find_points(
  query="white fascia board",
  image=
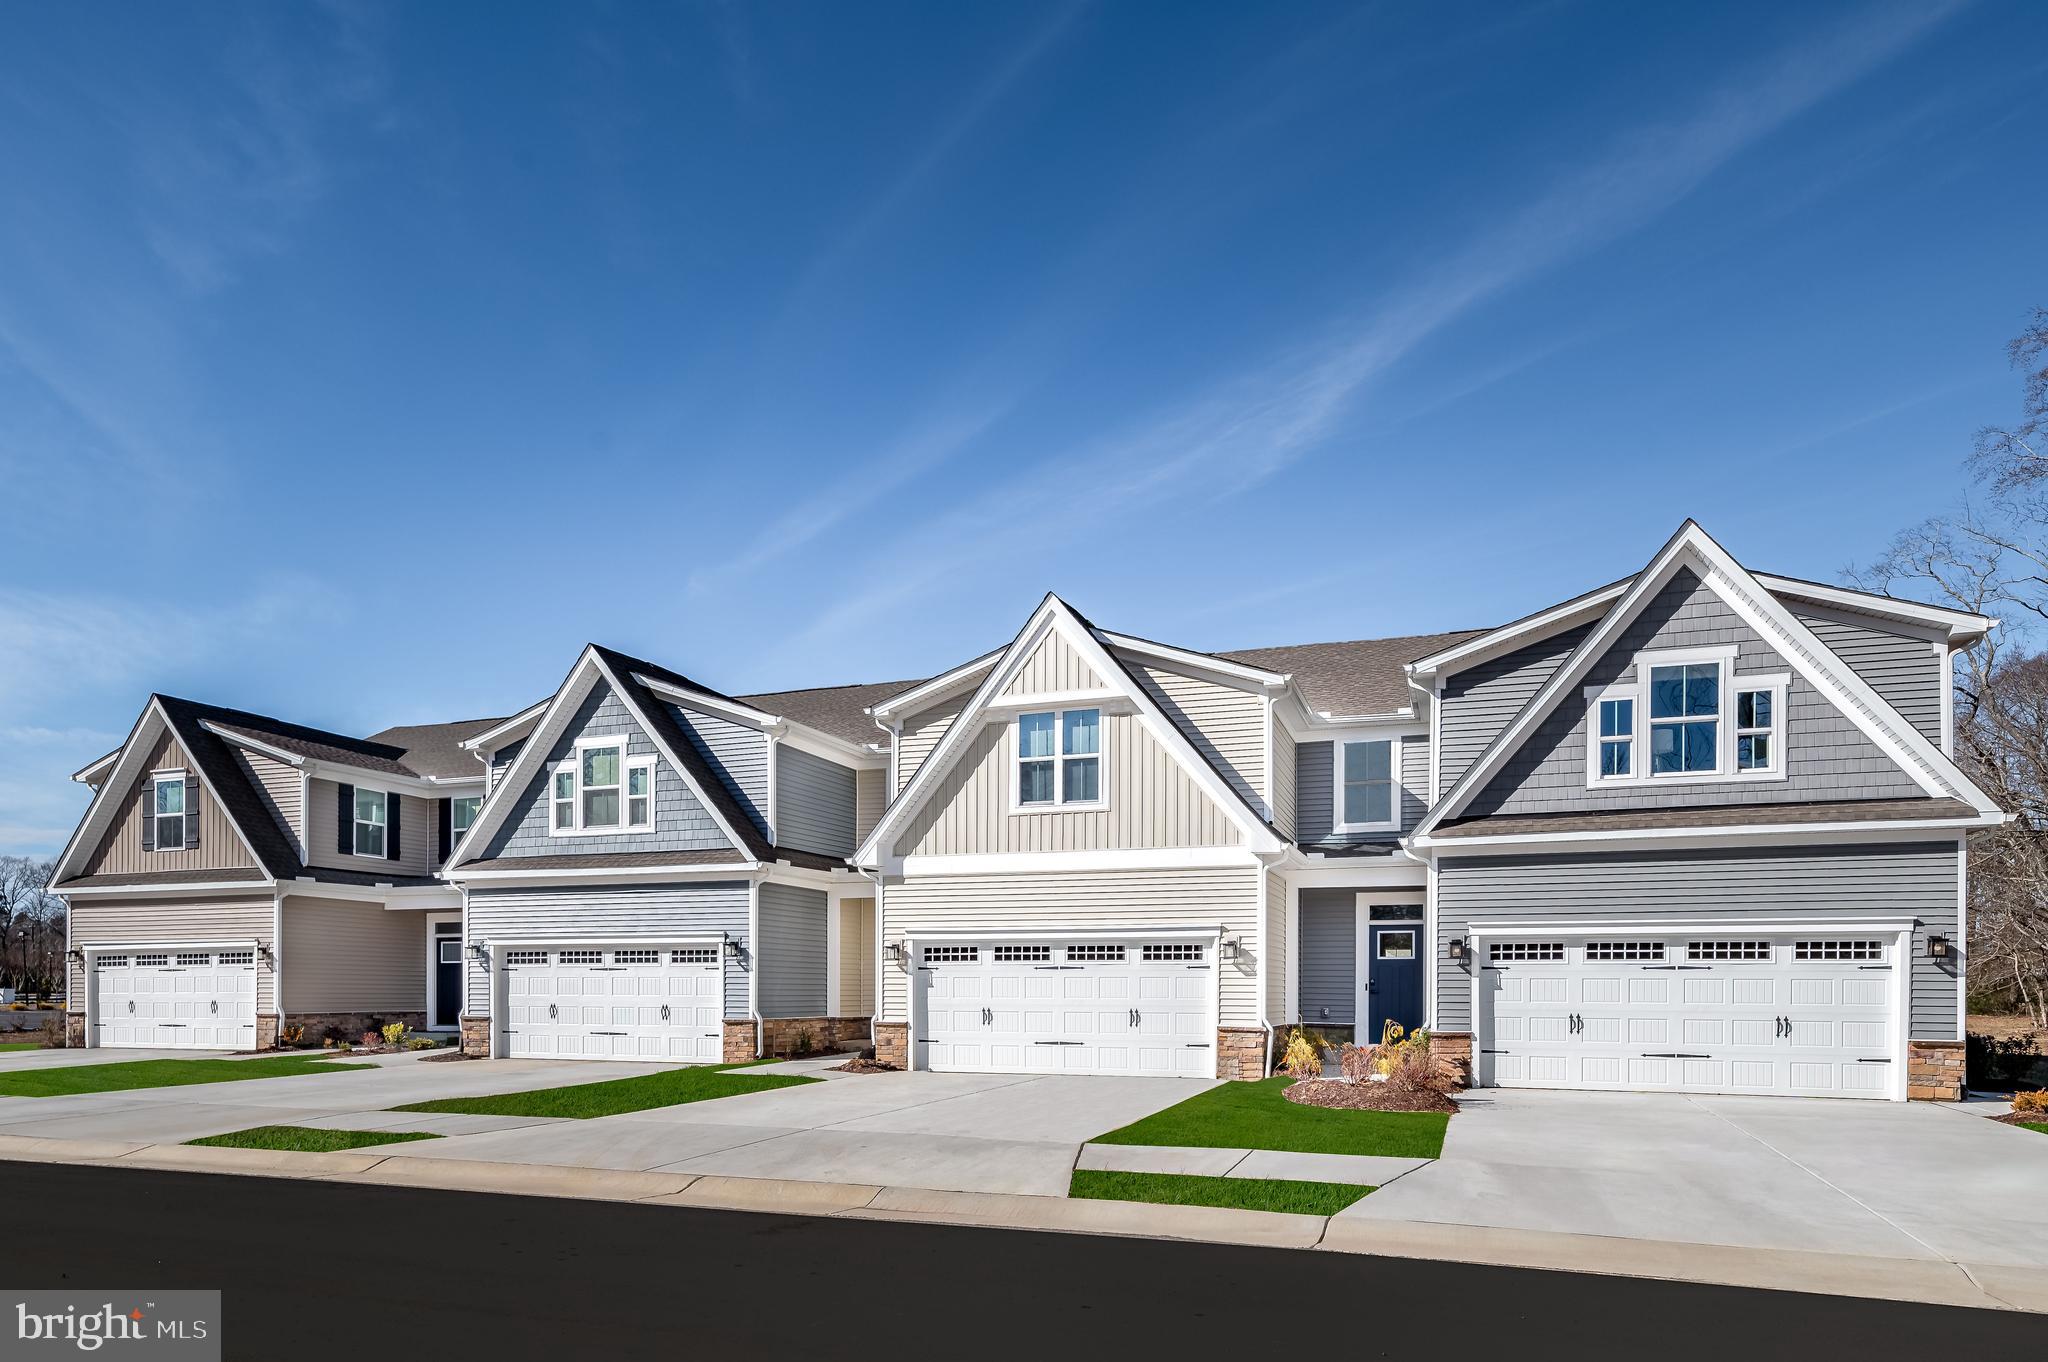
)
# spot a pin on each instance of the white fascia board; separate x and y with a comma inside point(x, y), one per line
point(576, 684)
point(735, 711)
point(263, 887)
point(1890, 830)
point(342, 773)
point(1010, 705)
point(481, 879)
point(940, 686)
point(802, 736)
point(192, 944)
point(1242, 674)
point(1958, 626)
point(1392, 876)
point(84, 774)
point(1568, 926)
point(1056, 862)
point(513, 943)
point(1511, 636)
point(497, 737)
point(126, 759)
point(240, 739)
point(1208, 930)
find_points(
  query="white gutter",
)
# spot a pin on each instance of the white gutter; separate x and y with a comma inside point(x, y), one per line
point(754, 961)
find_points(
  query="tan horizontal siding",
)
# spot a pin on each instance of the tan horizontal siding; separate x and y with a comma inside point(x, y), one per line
point(856, 957)
point(278, 786)
point(1227, 898)
point(419, 841)
point(1276, 946)
point(144, 922)
point(922, 732)
point(1152, 802)
point(345, 955)
point(870, 796)
point(120, 850)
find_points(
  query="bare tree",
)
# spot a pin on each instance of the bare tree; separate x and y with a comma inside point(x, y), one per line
point(1991, 556)
point(31, 925)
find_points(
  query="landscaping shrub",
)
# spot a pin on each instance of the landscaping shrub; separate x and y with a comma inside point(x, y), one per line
point(2030, 1103)
point(1303, 1057)
point(394, 1034)
point(294, 1034)
point(52, 1033)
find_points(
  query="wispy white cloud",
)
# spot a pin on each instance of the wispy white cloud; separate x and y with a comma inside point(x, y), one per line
point(1225, 442)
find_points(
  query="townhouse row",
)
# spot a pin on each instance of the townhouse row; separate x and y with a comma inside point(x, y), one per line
point(1697, 830)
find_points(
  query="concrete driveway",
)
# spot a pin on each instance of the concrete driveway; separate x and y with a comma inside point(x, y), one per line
point(67, 1058)
point(1882, 1179)
point(942, 1132)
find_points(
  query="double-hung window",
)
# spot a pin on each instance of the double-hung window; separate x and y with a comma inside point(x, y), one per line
point(1754, 715)
point(1617, 737)
point(1366, 797)
point(1059, 758)
point(371, 816)
point(599, 774)
point(1685, 718)
point(601, 789)
point(640, 793)
point(168, 809)
point(461, 813)
point(565, 799)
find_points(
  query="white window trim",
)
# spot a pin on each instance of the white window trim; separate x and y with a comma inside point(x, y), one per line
point(1725, 773)
point(455, 834)
point(156, 820)
point(1059, 803)
point(626, 795)
point(1337, 746)
point(574, 766)
point(356, 824)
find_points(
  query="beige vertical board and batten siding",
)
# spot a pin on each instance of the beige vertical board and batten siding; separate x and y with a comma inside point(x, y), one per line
point(1227, 726)
point(419, 833)
point(1152, 802)
point(856, 957)
point(1057, 902)
point(120, 850)
point(279, 787)
point(144, 921)
point(1274, 948)
point(345, 955)
point(922, 732)
point(870, 797)
point(1052, 668)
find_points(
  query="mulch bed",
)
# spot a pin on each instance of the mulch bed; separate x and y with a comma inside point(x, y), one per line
point(448, 1057)
point(2023, 1118)
point(1329, 1092)
point(864, 1066)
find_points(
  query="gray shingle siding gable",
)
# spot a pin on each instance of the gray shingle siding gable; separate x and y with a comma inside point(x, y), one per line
point(681, 822)
point(1477, 703)
point(1315, 784)
point(1836, 885)
point(1327, 973)
point(1907, 672)
point(738, 753)
point(792, 951)
point(817, 801)
point(607, 913)
point(1827, 757)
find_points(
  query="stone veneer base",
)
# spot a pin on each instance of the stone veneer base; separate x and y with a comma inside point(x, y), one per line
point(1935, 1070)
point(476, 1036)
point(1455, 1046)
point(1241, 1054)
point(892, 1043)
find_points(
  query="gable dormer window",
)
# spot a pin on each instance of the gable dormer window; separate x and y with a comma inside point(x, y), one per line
point(168, 803)
point(601, 789)
point(1059, 759)
point(1686, 718)
point(600, 780)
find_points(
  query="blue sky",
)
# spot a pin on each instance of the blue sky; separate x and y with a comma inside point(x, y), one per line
point(359, 363)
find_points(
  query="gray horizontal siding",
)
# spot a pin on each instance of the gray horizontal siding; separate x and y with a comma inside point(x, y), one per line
point(501, 762)
point(738, 753)
point(792, 951)
point(1827, 757)
point(1844, 884)
point(1327, 976)
point(1907, 672)
point(595, 913)
point(1478, 702)
point(1315, 783)
point(681, 823)
point(815, 801)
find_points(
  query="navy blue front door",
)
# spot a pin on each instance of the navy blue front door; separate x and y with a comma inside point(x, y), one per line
point(447, 980)
point(1395, 989)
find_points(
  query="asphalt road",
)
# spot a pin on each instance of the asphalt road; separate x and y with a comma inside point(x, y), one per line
point(330, 1270)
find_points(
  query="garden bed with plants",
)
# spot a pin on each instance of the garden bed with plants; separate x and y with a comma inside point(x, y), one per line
point(397, 1038)
point(1398, 1074)
point(2029, 1112)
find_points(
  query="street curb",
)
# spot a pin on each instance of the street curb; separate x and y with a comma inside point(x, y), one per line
point(1930, 1282)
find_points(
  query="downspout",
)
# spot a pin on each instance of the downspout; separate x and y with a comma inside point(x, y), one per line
point(875, 978)
point(754, 960)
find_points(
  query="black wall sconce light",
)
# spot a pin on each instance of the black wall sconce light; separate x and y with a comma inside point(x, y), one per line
point(1457, 949)
point(730, 949)
point(1937, 947)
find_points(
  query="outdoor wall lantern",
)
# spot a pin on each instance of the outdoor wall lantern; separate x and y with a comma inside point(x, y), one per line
point(899, 954)
point(1457, 948)
point(269, 956)
point(76, 955)
point(730, 950)
point(1227, 949)
point(1937, 946)
point(479, 952)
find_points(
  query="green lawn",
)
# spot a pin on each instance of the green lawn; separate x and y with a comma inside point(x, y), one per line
point(2041, 1126)
point(310, 1139)
point(158, 1073)
point(7, 1045)
point(1246, 1194)
point(670, 1088)
point(1256, 1116)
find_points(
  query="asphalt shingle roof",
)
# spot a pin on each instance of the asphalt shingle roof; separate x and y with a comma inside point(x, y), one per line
point(1363, 676)
point(435, 749)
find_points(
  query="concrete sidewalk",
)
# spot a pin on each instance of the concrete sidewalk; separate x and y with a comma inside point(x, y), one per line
point(1359, 1170)
point(1982, 1286)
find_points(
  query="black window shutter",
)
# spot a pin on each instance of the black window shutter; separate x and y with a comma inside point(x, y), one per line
point(447, 829)
point(149, 815)
point(393, 802)
point(345, 819)
point(191, 813)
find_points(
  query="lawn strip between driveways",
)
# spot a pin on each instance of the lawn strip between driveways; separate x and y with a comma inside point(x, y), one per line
point(613, 1097)
point(310, 1139)
point(2040, 1126)
point(8, 1047)
point(1257, 1116)
point(1244, 1194)
point(158, 1073)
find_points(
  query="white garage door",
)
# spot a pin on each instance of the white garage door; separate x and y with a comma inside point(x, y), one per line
point(1796, 1015)
point(587, 1002)
point(202, 1000)
point(1145, 1008)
